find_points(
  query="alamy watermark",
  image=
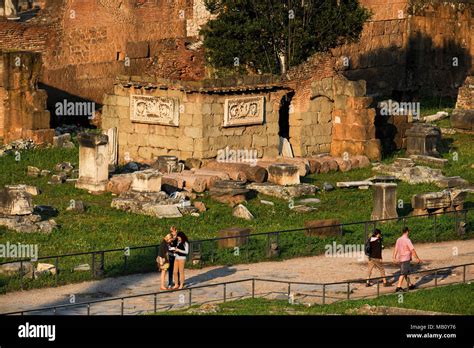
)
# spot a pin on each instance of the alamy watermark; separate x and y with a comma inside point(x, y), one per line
point(18, 250)
point(237, 156)
point(356, 251)
point(394, 108)
point(68, 108)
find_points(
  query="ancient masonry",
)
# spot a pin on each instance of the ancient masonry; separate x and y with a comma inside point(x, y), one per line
point(23, 113)
point(199, 119)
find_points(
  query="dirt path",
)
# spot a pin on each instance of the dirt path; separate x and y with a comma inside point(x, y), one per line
point(317, 269)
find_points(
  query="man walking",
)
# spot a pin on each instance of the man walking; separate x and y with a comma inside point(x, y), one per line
point(374, 253)
point(402, 253)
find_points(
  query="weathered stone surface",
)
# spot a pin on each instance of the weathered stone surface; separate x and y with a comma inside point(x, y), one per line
point(229, 192)
point(283, 174)
point(234, 237)
point(344, 165)
point(328, 186)
point(430, 160)
point(240, 211)
point(352, 184)
point(323, 228)
point(146, 181)
point(45, 269)
point(404, 169)
point(168, 164)
point(66, 167)
point(16, 267)
point(250, 172)
point(385, 201)
point(463, 119)
point(93, 162)
point(61, 140)
point(33, 171)
point(283, 192)
point(76, 206)
point(440, 115)
point(27, 223)
point(200, 206)
point(119, 183)
point(301, 208)
point(192, 163)
point(15, 200)
point(423, 139)
point(58, 179)
point(157, 204)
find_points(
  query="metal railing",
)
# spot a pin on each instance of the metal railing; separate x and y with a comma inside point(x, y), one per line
point(97, 258)
point(252, 293)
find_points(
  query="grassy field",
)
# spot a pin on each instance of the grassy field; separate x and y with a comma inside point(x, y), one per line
point(102, 227)
point(453, 299)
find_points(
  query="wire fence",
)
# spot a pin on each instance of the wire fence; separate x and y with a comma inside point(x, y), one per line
point(325, 293)
point(248, 248)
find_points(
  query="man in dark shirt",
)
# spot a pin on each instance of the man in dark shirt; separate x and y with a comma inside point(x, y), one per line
point(171, 255)
point(375, 257)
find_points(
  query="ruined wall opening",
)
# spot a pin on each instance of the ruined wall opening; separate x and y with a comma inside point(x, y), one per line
point(284, 115)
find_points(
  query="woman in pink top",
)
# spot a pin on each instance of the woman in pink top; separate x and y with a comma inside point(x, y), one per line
point(402, 253)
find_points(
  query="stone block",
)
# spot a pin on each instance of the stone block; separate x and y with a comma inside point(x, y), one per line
point(283, 174)
point(233, 237)
point(146, 181)
point(323, 228)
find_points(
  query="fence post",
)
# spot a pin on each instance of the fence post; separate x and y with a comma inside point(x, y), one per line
point(464, 273)
point(378, 288)
point(253, 288)
point(436, 278)
point(348, 290)
point(324, 294)
point(154, 302)
point(93, 266)
point(225, 292)
point(21, 274)
point(434, 227)
point(88, 309)
point(56, 264)
point(122, 305)
point(102, 264)
point(289, 289)
point(190, 297)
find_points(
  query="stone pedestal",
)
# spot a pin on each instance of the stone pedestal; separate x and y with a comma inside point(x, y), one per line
point(147, 181)
point(385, 201)
point(240, 234)
point(168, 164)
point(423, 139)
point(283, 174)
point(93, 162)
point(15, 200)
point(323, 228)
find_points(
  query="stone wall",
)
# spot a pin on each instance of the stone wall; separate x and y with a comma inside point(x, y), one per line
point(409, 46)
point(23, 111)
point(198, 129)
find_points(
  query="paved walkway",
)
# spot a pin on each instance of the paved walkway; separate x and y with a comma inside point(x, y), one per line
point(317, 269)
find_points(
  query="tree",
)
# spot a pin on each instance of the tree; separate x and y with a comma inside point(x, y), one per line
point(269, 36)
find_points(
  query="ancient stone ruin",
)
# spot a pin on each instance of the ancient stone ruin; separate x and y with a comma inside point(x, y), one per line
point(18, 213)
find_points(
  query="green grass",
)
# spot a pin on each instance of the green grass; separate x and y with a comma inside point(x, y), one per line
point(453, 299)
point(102, 227)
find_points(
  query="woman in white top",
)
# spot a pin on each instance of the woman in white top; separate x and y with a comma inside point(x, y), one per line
point(181, 251)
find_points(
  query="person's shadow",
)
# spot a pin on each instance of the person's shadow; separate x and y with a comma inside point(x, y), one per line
point(210, 275)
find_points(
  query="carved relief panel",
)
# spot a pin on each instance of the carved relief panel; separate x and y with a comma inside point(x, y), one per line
point(154, 110)
point(244, 111)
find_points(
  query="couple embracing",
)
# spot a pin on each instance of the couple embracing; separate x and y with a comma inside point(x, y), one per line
point(171, 259)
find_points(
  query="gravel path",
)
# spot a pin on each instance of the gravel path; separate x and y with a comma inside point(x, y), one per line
point(317, 269)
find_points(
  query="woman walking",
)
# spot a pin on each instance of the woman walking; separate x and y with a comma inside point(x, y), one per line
point(181, 251)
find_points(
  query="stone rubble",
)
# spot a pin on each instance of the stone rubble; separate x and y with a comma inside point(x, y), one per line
point(405, 169)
